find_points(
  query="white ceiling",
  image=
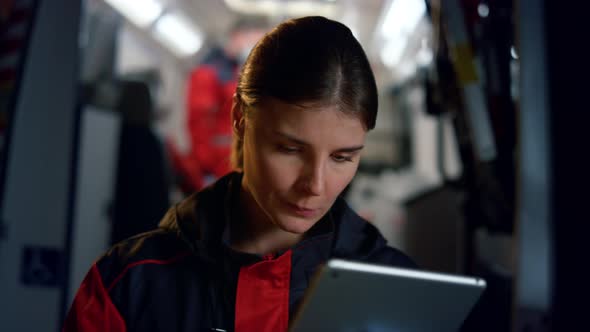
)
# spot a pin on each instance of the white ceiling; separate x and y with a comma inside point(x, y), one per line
point(214, 17)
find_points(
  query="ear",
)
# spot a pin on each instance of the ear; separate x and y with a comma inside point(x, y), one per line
point(237, 116)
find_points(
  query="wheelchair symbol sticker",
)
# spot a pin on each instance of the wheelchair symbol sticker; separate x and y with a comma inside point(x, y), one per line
point(41, 267)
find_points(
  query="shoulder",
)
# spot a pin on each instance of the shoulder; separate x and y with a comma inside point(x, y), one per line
point(114, 288)
point(158, 247)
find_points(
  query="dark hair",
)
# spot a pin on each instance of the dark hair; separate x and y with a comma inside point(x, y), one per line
point(309, 60)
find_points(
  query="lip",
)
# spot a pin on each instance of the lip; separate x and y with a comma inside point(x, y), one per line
point(302, 211)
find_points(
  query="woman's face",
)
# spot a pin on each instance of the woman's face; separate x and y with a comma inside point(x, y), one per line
point(297, 160)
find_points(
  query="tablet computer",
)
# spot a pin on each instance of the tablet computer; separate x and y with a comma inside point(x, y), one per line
point(350, 296)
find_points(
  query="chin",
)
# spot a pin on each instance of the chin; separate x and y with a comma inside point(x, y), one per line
point(295, 225)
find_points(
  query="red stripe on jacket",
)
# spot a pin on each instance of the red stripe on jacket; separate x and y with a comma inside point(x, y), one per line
point(92, 309)
point(262, 299)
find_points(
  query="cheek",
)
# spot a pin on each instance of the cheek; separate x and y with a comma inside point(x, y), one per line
point(274, 172)
point(281, 171)
point(338, 181)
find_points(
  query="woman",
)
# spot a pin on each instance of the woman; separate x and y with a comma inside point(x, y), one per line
point(239, 254)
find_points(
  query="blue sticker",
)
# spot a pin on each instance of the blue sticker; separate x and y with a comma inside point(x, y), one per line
point(41, 266)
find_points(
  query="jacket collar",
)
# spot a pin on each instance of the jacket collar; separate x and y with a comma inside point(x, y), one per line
point(202, 221)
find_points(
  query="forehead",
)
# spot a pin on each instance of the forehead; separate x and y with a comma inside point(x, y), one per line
point(309, 122)
point(276, 109)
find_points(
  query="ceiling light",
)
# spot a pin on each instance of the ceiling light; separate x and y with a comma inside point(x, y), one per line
point(402, 18)
point(400, 21)
point(178, 34)
point(142, 13)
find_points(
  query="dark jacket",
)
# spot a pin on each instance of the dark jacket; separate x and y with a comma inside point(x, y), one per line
point(184, 276)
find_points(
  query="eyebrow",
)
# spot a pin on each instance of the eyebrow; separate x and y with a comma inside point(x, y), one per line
point(301, 142)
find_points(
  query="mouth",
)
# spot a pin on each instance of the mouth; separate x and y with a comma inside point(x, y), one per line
point(302, 211)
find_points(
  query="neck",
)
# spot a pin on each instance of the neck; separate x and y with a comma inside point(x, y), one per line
point(255, 233)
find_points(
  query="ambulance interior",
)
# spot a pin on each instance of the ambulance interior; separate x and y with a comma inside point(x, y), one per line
point(104, 105)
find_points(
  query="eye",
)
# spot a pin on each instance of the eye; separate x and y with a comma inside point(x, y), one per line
point(341, 158)
point(288, 149)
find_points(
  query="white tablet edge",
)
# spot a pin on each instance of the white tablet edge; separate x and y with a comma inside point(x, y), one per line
point(387, 270)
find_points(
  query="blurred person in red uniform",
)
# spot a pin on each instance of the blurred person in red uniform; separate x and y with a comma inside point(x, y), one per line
point(210, 88)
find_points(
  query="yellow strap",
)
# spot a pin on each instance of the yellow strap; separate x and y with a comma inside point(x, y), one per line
point(464, 64)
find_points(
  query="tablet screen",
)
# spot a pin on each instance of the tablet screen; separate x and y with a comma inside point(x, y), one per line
point(351, 296)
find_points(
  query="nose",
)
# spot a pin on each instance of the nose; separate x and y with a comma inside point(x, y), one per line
point(313, 178)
